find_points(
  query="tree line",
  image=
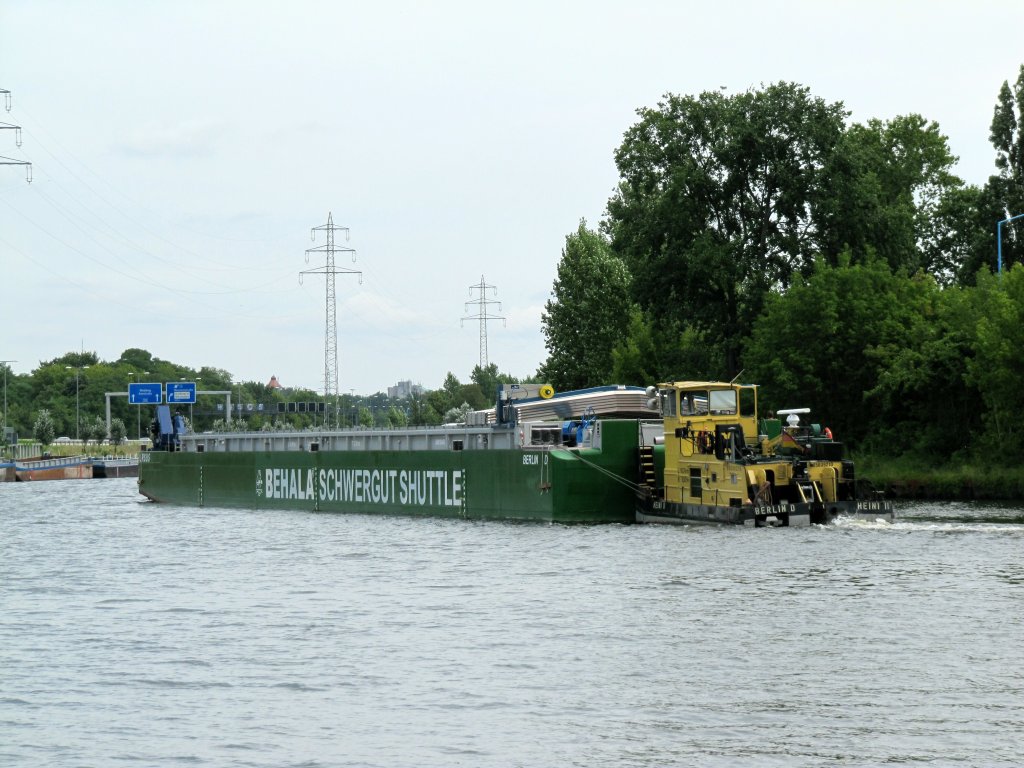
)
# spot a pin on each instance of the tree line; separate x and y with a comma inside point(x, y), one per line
point(843, 267)
point(66, 397)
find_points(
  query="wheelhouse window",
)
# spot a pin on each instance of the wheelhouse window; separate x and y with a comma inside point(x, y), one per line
point(668, 403)
point(723, 402)
point(748, 402)
point(693, 403)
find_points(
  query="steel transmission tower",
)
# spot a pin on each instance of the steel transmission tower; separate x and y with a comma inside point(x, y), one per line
point(17, 139)
point(482, 315)
point(329, 270)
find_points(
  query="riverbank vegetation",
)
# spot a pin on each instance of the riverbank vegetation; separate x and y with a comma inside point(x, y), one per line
point(64, 401)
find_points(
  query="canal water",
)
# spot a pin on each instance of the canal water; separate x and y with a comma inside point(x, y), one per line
point(136, 634)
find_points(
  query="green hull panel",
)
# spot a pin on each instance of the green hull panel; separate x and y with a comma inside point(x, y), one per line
point(556, 485)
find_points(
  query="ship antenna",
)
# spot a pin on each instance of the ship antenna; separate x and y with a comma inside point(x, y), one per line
point(737, 375)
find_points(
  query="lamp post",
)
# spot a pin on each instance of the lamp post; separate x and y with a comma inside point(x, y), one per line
point(999, 240)
point(191, 422)
point(138, 409)
point(238, 399)
point(6, 364)
point(78, 410)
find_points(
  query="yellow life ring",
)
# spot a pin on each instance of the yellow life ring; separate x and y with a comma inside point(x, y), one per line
point(547, 392)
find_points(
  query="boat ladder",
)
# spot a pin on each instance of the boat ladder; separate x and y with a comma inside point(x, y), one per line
point(647, 466)
point(809, 491)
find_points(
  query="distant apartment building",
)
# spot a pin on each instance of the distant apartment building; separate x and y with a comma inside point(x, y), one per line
point(404, 389)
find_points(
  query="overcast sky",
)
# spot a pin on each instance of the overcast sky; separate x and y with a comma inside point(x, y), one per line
point(182, 152)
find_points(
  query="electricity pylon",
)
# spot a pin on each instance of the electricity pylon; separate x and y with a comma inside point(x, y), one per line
point(482, 315)
point(329, 270)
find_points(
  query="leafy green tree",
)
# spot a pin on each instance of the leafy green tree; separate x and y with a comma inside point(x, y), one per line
point(587, 313)
point(96, 428)
point(420, 411)
point(923, 403)
point(136, 358)
point(887, 191)
point(813, 345)
point(451, 385)
point(657, 351)
point(473, 395)
point(997, 366)
point(365, 417)
point(634, 358)
point(488, 380)
point(713, 208)
point(396, 417)
point(1007, 187)
point(44, 429)
point(440, 400)
point(118, 433)
point(458, 414)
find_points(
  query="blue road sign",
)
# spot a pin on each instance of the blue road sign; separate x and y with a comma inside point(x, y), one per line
point(140, 393)
point(181, 392)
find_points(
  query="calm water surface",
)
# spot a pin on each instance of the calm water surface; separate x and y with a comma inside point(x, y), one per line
point(141, 634)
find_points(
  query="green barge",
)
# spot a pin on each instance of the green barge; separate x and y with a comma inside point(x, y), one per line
point(467, 473)
point(691, 452)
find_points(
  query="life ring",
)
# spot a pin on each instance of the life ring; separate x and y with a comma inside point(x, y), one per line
point(828, 433)
point(547, 392)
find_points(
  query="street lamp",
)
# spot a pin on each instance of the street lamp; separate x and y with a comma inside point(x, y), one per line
point(78, 410)
point(138, 409)
point(238, 399)
point(6, 364)
point(999, 240)
point(191, 423)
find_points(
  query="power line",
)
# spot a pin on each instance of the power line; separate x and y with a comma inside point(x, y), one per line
point(482, 315)
point(331, 333)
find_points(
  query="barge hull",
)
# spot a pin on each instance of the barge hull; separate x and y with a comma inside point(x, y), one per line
point(557, 485)
point(778, 515)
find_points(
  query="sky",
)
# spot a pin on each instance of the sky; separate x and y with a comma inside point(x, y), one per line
point(183, 151)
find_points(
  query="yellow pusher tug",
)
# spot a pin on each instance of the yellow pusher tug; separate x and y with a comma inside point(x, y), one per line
point(712, 461)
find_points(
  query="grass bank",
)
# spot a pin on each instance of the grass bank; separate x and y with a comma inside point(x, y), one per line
point(902, 477)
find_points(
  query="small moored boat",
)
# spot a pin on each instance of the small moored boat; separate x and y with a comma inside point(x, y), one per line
point(61, 468)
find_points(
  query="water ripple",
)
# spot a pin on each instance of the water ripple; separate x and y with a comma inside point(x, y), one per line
point(158, 635)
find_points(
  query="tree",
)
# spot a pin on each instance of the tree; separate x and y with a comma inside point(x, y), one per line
point(635, 357)
point(138, 358)
point(458, 414)
point(489, 379)
point(588, 312)
point(713, 208)
point(118, 433)
point(923, 403)
point(664, 350)
point(996, 367)
point(1007, 188)
point(96, 428)
point(44, 429)
point(890, 189)
point(396, 417)
point(813, 346)
point(365, 417)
